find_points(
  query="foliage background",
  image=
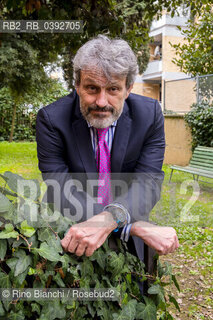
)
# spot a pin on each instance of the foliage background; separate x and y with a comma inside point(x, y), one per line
point(32, 257)
point(192, 262)
point(26, 111)
point(200, 121)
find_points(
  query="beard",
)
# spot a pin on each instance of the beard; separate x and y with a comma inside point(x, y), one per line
point(100, 120)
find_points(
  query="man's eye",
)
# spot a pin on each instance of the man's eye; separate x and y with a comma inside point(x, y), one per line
point(113, 89)
point(91, 88)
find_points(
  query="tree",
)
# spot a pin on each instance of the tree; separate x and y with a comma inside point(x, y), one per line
point(21, 72)
point(26, 112)
point(195, 56)
point(26, 55)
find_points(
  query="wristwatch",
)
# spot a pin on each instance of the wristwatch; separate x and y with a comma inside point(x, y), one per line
point(118, 213)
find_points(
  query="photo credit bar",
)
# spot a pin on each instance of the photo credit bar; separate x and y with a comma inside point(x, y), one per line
point(13, 294)
point(41, 26)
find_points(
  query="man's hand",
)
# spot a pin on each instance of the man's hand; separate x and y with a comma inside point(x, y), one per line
point(87, 236)
point(163, 239)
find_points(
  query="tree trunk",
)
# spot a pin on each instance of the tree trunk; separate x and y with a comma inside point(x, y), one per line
point(13, 122)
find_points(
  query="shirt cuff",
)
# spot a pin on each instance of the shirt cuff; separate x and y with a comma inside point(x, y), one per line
point(125, 234)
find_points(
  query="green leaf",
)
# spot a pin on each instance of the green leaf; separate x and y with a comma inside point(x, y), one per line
point(2, 312)
point(23, 262)
point(140, 310)
point(49, 216)
point(9, 232)
point(4, 280)
point(18, 281)
point(149, 312)
point(25, 188)
point(58, 280)
point(85, 282)
point(32, 271)
point(35, 307)
point(154, 289)
point(3, 248)
point(48, 252)
point(16, 316)
point(174, 301)
point(91, 309)
point(74, 272)
point(47, 235)
point(27, 230)
point(115, 263)
point(12, 180)
point(9, 227)
point(128, 312)
point(7, 192)
point(175, 282)
point(21, 241)
point(5, 204)
point(65, 261)
point(12, 263)
point(103, 312)
point(80, 313)
point(3, 177)
point(129, 278)
point(86, 268)
point(99, 256)
point(53, 310)
point(158, 290)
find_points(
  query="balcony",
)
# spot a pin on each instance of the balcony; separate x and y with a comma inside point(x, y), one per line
point(153, 70)
point(168, 20)
point(167, 25)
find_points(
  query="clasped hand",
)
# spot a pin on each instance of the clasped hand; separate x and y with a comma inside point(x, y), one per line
point(87, 236)
point(163, 239)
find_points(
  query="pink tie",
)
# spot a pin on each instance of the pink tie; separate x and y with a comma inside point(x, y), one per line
point(104, 168)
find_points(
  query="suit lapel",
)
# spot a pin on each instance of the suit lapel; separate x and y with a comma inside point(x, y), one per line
point(83, 141)
point(121, 139)
point(120, 142)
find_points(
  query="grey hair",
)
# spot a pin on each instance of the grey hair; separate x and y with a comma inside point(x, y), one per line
point(113, 57)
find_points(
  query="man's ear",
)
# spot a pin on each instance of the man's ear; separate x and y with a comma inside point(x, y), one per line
point(128, 91)
point(77, 90)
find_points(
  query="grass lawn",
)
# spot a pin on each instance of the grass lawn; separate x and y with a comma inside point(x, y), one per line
point(184, 205)
point(192, 262)
point(20, 158)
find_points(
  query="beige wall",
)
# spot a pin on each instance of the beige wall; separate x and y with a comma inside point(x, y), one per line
point(168, 53)
point(146, 89)
point(178, 141)
point(179, 95)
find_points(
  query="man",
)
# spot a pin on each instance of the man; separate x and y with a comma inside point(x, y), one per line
point(102, 128)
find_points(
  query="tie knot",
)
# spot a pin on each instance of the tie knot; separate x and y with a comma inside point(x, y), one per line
point(102, 134)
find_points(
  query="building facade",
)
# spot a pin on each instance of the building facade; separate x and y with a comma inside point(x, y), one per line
point(162, 79)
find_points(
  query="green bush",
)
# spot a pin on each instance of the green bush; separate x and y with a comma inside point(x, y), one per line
point(32, 257)
point(200, 120)
point(25, 117)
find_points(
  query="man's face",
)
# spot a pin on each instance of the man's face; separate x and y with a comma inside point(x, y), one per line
point(101, 100)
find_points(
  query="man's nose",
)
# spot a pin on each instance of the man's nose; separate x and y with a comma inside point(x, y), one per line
point(101, 99)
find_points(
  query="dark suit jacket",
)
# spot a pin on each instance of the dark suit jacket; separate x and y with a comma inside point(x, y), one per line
point(64, 146)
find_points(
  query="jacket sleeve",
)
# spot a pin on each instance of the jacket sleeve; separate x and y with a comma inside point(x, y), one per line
point(144, 184)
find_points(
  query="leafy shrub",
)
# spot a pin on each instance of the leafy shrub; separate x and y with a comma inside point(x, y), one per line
point(25, 112)
point(200, 120)
point(32, 257)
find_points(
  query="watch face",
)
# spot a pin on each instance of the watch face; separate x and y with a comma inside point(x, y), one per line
point(118, 214)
